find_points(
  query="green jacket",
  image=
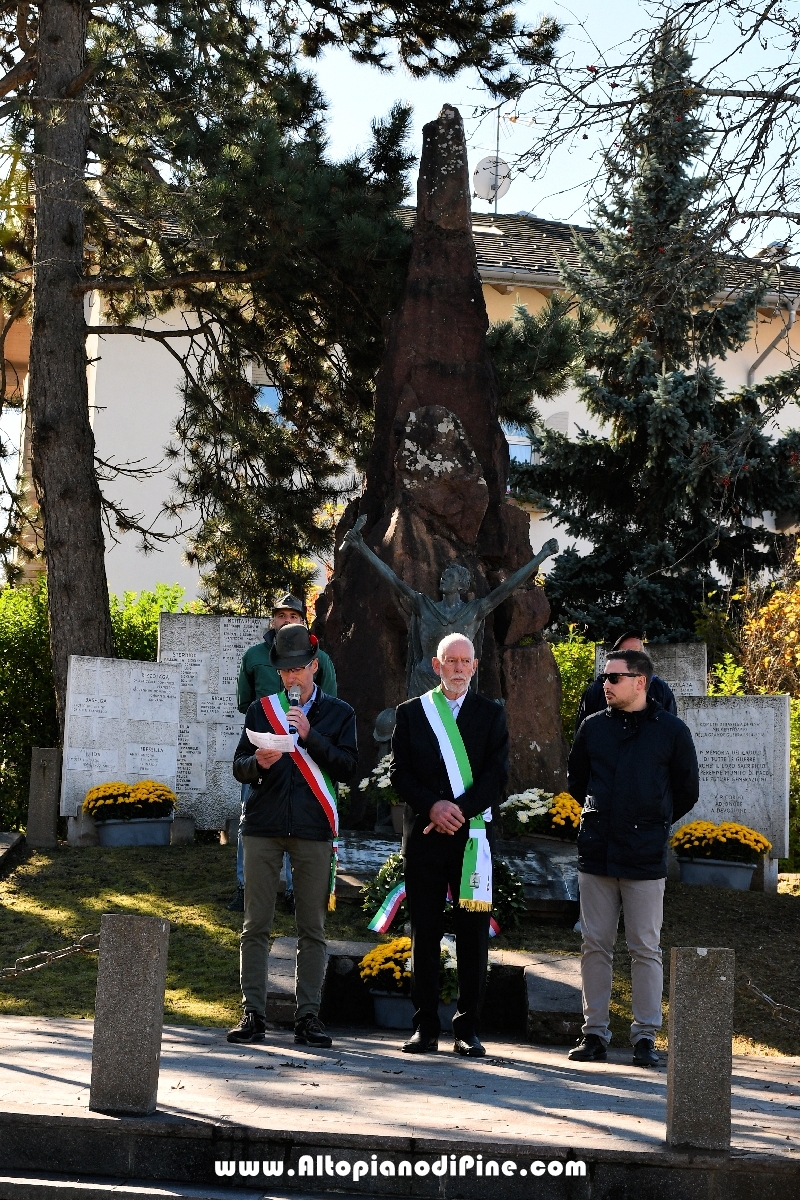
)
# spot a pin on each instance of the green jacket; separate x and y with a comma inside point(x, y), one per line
point(257, 676)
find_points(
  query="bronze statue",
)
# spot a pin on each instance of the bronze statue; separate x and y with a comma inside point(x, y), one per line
point(431, 620)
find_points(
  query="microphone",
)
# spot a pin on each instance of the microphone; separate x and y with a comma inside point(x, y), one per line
point(294, 699)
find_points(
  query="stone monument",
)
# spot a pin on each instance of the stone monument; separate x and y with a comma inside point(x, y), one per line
point(742, 747)
point(683, 665)
point(207, 650)
point(121, 723)
point(432, 620)
point(435, 493)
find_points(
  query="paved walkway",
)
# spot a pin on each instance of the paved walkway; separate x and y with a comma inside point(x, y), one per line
point(365, 1085)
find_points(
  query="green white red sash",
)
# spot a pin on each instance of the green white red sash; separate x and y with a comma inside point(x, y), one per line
point(275, 709)
point(476, 872)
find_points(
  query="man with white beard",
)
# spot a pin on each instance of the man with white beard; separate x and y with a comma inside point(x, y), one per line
point(450, 765)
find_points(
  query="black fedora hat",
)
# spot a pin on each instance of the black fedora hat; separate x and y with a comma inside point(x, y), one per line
point(294, 646)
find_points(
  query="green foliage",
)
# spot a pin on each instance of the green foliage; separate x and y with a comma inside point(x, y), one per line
point(377, 889)
point(134, 618)
point(27, 695)
point(575, 659)
point(508, 896)
point(534, 355)
point(727, 678)
point(210, 193)
point(673, 488)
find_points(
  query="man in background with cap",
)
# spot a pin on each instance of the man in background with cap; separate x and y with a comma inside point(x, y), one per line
point(288, 810)
point(257, 678)
point(594, 699)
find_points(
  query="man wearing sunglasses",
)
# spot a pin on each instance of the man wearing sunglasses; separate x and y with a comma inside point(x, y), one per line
point(633, 767)
point(593, 699)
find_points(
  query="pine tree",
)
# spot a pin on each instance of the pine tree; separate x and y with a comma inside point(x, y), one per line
point(671, 493)
point(177, 160)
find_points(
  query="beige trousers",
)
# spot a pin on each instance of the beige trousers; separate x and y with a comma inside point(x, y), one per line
point(642, 904)
point(311, 873)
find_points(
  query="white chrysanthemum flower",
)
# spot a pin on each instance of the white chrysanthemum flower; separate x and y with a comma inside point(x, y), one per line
point(344, 790)
point(362, 787)
point(523, 817)
point(385, 782)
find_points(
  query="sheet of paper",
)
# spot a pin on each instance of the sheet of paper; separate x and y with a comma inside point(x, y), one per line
point(272, 741)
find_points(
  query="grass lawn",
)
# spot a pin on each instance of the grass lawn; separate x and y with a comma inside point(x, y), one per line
point(52, 897)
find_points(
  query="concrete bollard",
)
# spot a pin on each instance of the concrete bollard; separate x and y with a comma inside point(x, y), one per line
point(129, 1014)
point(41, 832)
point(700, 1054)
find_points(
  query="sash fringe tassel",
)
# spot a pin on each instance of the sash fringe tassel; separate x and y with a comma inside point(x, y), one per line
point(475, 905)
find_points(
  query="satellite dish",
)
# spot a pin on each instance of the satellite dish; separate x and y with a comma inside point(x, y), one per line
point(491, 179)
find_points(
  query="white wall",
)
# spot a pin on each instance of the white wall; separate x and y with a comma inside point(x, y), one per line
point(134, 399)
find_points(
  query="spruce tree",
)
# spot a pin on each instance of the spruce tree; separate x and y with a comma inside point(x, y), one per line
point(671, 493)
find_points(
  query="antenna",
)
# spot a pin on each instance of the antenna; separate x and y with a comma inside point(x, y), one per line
point(491, 179)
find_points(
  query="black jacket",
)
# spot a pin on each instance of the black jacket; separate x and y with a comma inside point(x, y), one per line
point(420, 777)
point(635, 774)
point(280, 803)
point(594, 699)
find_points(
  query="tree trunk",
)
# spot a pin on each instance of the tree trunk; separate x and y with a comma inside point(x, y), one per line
point(62, 439)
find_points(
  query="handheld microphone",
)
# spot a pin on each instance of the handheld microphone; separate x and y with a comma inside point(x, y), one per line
point(294, 699)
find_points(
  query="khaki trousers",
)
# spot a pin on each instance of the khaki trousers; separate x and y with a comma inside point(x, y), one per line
point(311, 872)
point(642, 903)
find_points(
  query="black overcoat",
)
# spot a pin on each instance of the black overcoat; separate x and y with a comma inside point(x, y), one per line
point(419, 775)
point(635, 773)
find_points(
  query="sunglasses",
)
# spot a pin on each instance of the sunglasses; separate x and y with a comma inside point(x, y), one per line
point(615, 676)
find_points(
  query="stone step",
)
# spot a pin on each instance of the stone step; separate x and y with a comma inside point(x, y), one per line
point(60, 1187)
point(553, 991)
point(533, 996)
point(8, 843)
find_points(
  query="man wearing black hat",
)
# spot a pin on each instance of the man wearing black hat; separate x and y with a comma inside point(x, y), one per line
point(291, 807)
point(257, 678)
point(594, 699)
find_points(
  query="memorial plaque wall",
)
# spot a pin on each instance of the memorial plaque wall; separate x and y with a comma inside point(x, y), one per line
point(742, 745)
point(208, 651)
point(121, 723)
point(680, 664)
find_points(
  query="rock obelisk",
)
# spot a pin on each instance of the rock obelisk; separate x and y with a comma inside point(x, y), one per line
point(435, 489)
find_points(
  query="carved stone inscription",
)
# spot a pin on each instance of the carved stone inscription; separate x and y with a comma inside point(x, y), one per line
point(121, 724)
point(742, 745)
point(208, 650)
point(680, 664)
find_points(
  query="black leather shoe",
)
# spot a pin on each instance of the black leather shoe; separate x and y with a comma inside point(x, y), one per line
point(418, 1043)
point(251, 1028)
point(590, 1048)
point(309, 1031)
point(469, 1047)
point(237, 903)
point(644, 1054)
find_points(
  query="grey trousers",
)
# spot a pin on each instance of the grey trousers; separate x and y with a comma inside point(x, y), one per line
point(642, 903)
point(311, 869)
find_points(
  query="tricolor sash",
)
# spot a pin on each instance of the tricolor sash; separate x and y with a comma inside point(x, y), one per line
point(275, 709)
point(388, 909)
point(476, 872)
